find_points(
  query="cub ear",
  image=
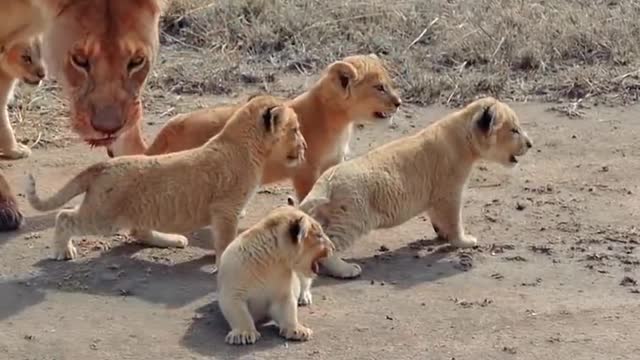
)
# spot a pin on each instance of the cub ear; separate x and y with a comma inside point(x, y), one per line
point(374, 56)
point(291, 201)
point(298, 230)
point(270, 119)
point(486, 121)
point(344, 73)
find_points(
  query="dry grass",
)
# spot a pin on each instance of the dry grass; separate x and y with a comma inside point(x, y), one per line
point(442, 50)
point(446, 51)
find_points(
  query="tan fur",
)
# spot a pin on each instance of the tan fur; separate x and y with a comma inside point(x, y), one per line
point(101, 52)
point(424, 172)
point(259, 274)
point(356, 88)
point(162, 196)
point(19, 60)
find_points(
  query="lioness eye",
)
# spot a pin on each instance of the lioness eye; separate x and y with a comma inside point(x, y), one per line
point(26, 58)
point(80, 61)
point(135, 63)
point(380, 87)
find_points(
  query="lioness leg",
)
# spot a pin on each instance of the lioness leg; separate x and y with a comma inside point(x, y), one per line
point(243, 329)
point(160, 239)
point(129, 142)
point(9, 147)
point(285, 313)
point(10, 215)
point(303, 182)
point(447, 214)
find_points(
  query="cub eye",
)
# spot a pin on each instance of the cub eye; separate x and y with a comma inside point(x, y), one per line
point(135, 63)
point(379, 87)
point(515, 131)
point(80, 61)
point(27, 59)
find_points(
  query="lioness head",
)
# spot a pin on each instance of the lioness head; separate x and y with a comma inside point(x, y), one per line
point(497, 133)
point(361, 85)
point(23, 60)
point(279, 125)
point(101, 52)
point(301, 239)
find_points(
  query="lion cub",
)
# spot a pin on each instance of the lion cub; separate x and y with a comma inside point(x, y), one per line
point(259, 274)
point(426, 171)
point(354, 89)
point(19, 60)
point(161, 196)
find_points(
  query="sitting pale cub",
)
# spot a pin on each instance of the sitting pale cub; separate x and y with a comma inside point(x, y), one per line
point(259, 274)
point(426, 171)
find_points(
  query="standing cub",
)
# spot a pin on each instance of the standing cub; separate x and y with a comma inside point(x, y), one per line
point(19, 61)
point(356, 88)
point(426, 171)
point(178, 192)
point(258, 274)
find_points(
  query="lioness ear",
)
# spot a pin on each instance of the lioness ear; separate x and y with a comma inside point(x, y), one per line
point(298, 230)
point(486, 120)
point(270, 119)
point(344, 72)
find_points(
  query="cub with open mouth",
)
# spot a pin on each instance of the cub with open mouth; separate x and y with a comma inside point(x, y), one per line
point(260, 272)
point(423, 172)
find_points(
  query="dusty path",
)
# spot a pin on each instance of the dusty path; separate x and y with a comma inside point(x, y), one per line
point(558, 237)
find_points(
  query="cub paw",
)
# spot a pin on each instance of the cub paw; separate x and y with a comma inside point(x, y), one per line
point(242, 337)
point(338, 268)
point(305, 298)
point(19, 152)
point(10, 217)
point(466, 241)
point(299, 333)
point(67, 252)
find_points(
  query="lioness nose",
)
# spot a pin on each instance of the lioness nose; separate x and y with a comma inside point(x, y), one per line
point(107, 119)
point(397, 102)
point(40, 73)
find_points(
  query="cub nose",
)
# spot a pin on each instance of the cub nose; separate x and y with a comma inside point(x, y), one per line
point(529, 144)
point(40, 73)
point(397, 102)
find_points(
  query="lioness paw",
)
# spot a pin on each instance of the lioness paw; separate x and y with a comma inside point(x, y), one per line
point(242, 337)
point(19, 152)
point(466, 241)
point(305, 298)
point(299, 333)
point(339, 268)
point(67, 252)
point(10, 217)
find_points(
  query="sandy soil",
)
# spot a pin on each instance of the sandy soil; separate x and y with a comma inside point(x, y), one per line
point(554, 276)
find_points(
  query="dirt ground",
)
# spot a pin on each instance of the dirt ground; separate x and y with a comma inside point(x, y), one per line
point(555, 275)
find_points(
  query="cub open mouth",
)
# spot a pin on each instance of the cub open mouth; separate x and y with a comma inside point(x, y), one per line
point(315, 267)
point(31, 82)
point(381, 115)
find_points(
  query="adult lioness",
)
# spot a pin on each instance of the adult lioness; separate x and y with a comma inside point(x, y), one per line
point(356, 88)
point(258, 278)
point(161, 196)
point(101, 52)
point(426, 171)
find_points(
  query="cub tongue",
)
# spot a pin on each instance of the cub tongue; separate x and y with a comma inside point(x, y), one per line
point(315, 267)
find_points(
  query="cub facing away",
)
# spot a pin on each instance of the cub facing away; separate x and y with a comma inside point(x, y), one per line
point(353, 89)
point(19, 61)
point(160, 197)
point(426, 171)
point(259, 274)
